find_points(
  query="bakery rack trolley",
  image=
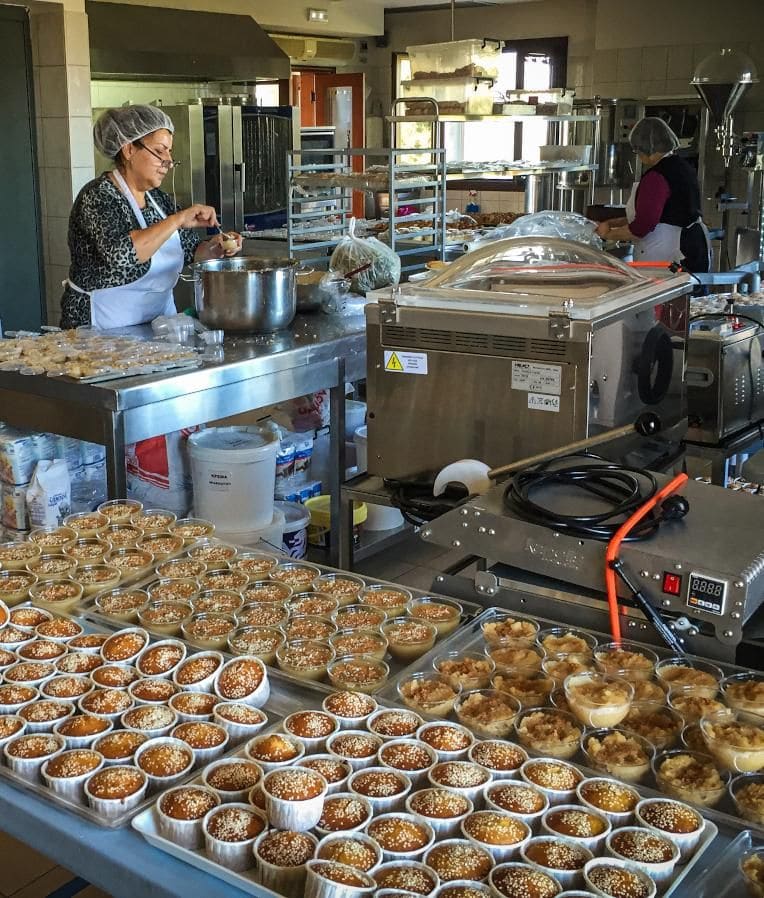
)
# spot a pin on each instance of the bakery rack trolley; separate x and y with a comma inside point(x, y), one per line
point(321, 197)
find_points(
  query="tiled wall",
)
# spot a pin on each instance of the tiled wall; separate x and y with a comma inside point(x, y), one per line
point(61, 65)
point(117, 93)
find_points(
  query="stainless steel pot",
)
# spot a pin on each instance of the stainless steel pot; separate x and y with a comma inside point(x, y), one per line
point(256, 296)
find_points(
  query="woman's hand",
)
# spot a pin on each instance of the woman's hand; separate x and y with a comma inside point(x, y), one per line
point(603, 229)
point(214, 247)
point(197, 216)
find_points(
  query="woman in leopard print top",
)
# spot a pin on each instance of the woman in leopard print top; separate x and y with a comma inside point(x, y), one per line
point(109, 247)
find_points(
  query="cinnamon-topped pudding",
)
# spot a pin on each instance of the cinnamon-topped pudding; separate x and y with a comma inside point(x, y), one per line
point(487, 712)
point(363, 672)
point(550, 732)
point(506, 628)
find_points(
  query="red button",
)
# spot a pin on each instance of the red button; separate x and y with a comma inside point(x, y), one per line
point(672, 584)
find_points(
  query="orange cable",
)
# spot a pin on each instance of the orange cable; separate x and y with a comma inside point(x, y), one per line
point(615, 544)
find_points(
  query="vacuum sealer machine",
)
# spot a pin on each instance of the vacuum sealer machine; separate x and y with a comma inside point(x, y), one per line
point(524, 345)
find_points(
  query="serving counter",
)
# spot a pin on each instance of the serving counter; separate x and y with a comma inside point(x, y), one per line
point(317, 352)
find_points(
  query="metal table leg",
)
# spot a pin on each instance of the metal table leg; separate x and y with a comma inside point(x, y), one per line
point(114, 441)
point(337, 462)
point(719, 468)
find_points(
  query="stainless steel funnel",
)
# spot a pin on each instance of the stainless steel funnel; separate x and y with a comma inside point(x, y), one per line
point(722, 80)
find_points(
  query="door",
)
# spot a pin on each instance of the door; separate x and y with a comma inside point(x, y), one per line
point(342, 97)
point(304, 87)
point(21, 281)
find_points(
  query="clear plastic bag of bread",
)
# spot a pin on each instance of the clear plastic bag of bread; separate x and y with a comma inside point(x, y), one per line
point(367, 262)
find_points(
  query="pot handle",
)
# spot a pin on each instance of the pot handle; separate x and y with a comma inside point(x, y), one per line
point(192, 279)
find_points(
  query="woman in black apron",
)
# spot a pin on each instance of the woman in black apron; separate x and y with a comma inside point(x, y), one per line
point(663, 215)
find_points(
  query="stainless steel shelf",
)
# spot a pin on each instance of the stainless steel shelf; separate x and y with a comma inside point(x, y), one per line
point(401, 119)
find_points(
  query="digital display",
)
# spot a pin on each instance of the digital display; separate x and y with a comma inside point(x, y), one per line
point(706, 594)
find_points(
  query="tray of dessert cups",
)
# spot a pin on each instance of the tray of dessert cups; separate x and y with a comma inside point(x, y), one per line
point(304, 619)
point(98, 721)
point(117, 545)
point(738, 871)
point(686, 727)
point(356, 793)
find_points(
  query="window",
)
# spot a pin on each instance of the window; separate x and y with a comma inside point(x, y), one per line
point(536, 64)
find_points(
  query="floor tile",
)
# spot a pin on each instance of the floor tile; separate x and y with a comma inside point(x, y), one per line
point(45, 884)
point(21, 865)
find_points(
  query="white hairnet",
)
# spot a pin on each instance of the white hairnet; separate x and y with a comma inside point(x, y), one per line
point(118, 127)
point(652, 135)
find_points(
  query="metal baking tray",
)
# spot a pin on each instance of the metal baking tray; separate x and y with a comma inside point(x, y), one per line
point(470, 611)
point(287, 695)
point(469, 638)
point(146, 824)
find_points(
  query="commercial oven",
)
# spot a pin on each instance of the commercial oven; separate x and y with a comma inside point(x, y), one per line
point(521, 347)
point(233, 156)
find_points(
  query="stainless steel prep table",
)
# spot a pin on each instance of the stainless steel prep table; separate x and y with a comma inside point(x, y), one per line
point(317, 352)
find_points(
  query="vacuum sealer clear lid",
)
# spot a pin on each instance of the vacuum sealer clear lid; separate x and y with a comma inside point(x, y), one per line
point(532, 276)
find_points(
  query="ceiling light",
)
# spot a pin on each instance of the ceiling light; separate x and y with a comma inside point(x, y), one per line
point(318, 15)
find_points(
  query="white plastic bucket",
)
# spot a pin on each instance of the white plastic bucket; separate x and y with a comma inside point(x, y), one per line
point(295, 535)
point(269, 538)
point(234, 474)
point(355, 415)
point(379, 517)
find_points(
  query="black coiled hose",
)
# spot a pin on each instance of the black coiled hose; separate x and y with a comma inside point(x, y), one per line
point(625, 488)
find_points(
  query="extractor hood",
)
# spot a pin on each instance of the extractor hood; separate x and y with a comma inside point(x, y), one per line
point(146, 42)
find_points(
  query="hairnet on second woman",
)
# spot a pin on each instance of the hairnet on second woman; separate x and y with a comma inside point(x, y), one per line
point(118, 127)
point(652, 135)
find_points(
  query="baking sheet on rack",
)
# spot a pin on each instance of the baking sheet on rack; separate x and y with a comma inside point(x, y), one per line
point(288, 694)
point(470, 610)
point(146, 823)
point(469, 638)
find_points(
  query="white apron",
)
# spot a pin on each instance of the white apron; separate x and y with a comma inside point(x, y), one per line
point(662, 244)
point(151, 295)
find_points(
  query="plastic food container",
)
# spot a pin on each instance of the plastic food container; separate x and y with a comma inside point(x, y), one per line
point(477, 58)
point(455, 96)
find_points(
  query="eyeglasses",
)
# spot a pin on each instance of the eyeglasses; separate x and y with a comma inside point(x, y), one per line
point(166, 162)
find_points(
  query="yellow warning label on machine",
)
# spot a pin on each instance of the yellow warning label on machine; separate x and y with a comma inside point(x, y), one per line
point(399, 362)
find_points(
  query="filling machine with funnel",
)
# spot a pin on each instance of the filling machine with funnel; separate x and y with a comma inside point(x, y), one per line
point(722, 80)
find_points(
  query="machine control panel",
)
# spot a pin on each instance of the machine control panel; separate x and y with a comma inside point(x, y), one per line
point(706, 593)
